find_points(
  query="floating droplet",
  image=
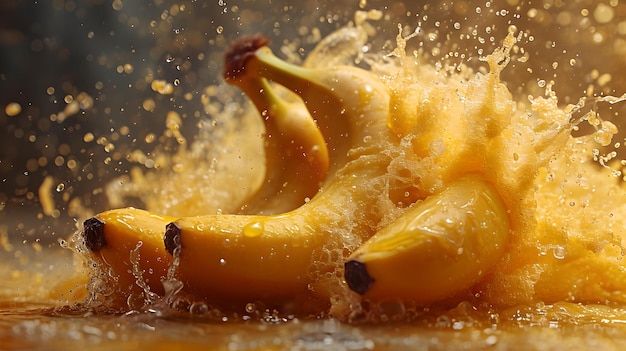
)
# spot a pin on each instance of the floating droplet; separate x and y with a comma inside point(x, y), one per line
point(13, 109)
point(250, 307)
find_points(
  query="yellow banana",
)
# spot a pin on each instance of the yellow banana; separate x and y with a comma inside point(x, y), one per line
point(113, 235)
point(449, 240)
point(250, 257)
point(440, 247)
point(296, 163)
point(239, 257)
point(295, 151)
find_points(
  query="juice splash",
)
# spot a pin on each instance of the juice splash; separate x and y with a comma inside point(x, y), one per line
point(447, 123)
point(572, 200)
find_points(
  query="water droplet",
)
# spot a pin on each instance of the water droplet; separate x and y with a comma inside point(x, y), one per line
point(250, 307)
point(199, 308)
point(491, 340)
point(222, 261)
point(253, 229)
point(60, 187)
point(559, 252)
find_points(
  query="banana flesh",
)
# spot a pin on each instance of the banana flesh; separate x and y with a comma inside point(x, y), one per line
point(444, 244)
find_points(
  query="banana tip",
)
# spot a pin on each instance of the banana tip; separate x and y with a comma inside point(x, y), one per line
point(357, 277)
point(93, 232)
point(171, 237)
point(238, 53)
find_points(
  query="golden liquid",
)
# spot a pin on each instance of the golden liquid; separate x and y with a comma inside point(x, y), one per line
point(562, 283)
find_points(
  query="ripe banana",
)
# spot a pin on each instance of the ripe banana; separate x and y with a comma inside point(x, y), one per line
point(448, 240)
point(254, 257)
point(112, 235)
point(296, 157)
point(271, 257)
point(440, 247)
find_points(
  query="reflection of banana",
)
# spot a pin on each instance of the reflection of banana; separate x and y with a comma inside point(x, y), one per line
point(438, 248)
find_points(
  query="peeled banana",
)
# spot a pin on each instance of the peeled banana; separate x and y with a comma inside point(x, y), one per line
point(320, 160)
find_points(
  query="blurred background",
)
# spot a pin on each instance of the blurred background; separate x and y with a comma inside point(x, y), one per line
point(83, 83)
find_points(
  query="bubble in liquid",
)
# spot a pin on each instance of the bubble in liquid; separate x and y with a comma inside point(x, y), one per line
point(559, 252)
point(250, 307)
point(491, 340)
point(199, 308)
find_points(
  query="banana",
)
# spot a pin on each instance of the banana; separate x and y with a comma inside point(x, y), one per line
point(250, 257)
point(283, 256)
point(296, 157)
point(296, 162)
point(112, 235)
point(439, 248)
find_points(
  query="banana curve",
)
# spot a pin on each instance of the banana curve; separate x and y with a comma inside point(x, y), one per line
point(296, 157)
point(249, 256)
point(440, 247)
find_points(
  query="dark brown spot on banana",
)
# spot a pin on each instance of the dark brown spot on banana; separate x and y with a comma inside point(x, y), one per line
point(171, 237)
point(93, 232)
point(357, 277)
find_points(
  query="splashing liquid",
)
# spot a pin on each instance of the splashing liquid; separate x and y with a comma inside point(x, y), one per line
point(444, 117)
point(564, 187)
